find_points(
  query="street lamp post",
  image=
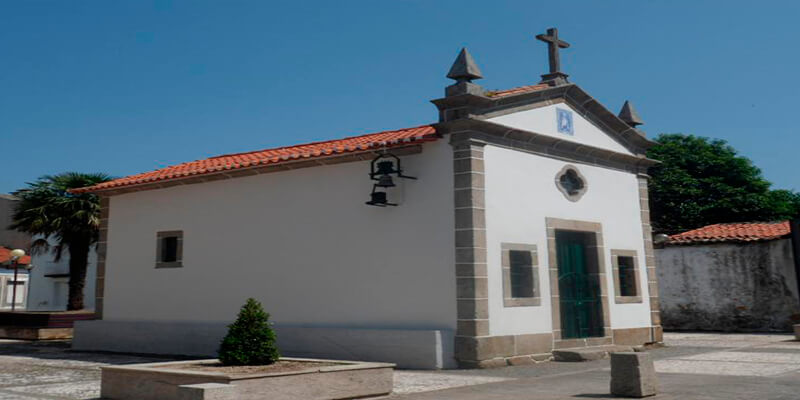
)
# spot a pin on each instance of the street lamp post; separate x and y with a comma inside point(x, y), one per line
point(15, 256)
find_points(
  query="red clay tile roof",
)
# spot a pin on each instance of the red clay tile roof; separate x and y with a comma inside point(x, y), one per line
point(5, 257)
point(517, 90)
point(739, 232)
point(302, 151)
point(355, 144)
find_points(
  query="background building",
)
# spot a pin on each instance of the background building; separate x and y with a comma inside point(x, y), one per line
point(730, 277)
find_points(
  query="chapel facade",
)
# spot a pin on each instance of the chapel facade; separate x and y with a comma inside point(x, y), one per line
point(515, 225)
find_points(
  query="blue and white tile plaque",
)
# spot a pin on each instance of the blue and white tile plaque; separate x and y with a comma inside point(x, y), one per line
point(564, 121)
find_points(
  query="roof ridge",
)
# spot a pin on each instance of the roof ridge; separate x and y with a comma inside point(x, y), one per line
point(315, 143)
point(734, 223)
point(750, 223)
point(520, 89)
point(733, 232)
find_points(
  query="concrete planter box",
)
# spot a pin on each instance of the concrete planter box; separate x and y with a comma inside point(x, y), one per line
point(157, 381)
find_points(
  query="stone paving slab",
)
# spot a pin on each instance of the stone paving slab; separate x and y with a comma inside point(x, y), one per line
point(723, 368)
point(14, 396)
point(697, 366)
point(421, 381)
point(749, 357)
point(711, 339)
point(76, 390)
point(783, 346)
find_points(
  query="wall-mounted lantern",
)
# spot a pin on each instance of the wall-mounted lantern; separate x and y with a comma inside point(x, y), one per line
point(381, 170)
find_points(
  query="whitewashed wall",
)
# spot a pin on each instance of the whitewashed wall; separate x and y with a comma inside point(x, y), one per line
point(543, 121)
point(728, 286)
point(302, 242)
point(50, 294)
point(520, 194)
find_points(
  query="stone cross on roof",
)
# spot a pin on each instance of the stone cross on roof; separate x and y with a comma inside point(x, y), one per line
point(553, 44)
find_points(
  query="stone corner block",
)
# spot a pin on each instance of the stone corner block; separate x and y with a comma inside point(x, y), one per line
point(207, 391)
point(484, 364)
point(521, 360)
point(633, 375)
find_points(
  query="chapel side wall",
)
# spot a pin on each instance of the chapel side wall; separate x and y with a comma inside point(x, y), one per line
point(728, 286)
point(301, 241)
point(520, 194)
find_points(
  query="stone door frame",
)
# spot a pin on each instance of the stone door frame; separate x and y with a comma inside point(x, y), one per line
point(597, 248)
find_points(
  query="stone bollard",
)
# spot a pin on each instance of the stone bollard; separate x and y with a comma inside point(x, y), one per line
point(797, 332)
point(632, 375)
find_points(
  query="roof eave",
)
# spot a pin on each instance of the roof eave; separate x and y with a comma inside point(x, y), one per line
point(401, 148)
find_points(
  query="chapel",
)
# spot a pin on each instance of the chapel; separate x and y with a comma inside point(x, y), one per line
point(514, 224)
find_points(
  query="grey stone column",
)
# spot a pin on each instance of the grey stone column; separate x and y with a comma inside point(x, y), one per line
point(470, 242)
point(102, 251)
point(656, 333)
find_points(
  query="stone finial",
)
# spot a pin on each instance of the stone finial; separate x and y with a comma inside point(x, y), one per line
point(629, 115)
point(464, 68)
point(463, 71)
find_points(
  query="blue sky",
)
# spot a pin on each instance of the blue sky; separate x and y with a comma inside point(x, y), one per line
point(129, 86)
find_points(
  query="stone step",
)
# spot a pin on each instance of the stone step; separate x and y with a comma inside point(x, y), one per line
point(578, 354)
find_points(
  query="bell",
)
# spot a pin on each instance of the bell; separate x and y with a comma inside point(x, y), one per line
point(377, 199)
point(386, 168)
point(385, 181)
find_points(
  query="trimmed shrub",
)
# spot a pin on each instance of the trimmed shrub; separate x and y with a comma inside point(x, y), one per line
point(250, 339)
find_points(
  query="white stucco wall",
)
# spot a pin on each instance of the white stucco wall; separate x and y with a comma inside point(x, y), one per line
point(543, 120)
point(49, 293)
point(302, 242)
point(520, 194)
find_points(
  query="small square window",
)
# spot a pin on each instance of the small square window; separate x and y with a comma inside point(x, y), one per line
point(520, 275)
point(627, 276)
point(169, 249)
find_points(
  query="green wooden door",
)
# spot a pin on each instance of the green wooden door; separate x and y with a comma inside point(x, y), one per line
point(579, 288)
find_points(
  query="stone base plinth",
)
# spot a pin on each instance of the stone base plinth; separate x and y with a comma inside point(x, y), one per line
point(413, 349)
point(34, 333)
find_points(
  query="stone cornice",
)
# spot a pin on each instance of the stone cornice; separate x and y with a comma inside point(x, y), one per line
point(479, 107)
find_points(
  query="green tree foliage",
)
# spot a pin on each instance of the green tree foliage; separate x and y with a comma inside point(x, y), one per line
point(47, 208)
point(250, 339)
point(704, 181)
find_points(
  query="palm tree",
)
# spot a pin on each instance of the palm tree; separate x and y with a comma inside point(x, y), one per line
point(47, 208)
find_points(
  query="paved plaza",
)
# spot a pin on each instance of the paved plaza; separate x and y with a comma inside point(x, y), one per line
point(692, 366)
